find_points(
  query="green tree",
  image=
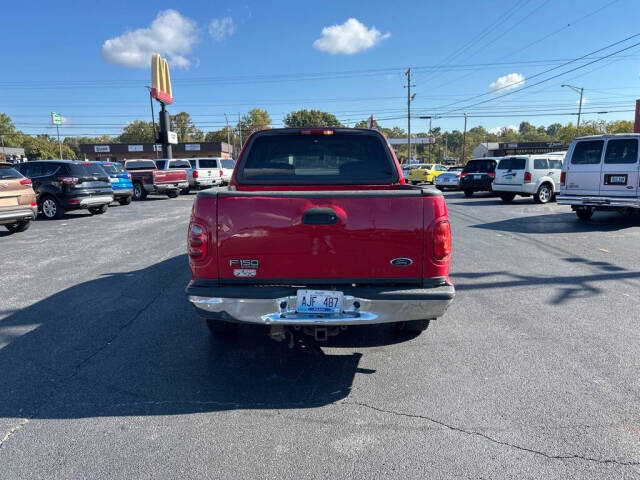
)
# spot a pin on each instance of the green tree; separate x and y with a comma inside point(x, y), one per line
point(311, 118)
point(255, 119)
point(184, 127)
point(220, 136)
point(11, 137)
point(621, 126)
point(137, 131)
point(44, 147)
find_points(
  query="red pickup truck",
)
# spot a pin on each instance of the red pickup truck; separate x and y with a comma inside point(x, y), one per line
point(147, 178)
point(318, 230)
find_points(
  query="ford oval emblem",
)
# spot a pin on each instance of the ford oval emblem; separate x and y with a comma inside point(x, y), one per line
point(401, 262)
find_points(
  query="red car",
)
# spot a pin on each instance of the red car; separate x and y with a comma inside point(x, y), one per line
point(317, 229)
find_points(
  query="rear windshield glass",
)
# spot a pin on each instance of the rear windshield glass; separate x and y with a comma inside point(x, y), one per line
point(140, 164)
point(540, 164)
point(512, 163)
point(229, 164)
point(113, 168)
point(555, 164)
point(482, 166)
point(208, 164)
point(180, 164)
point(9, 173)
point(296, 159)
point(587, 152)
point(622, 151)
point(85, 169)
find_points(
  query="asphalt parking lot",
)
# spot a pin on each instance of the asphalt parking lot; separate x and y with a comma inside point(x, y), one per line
point(106, 372)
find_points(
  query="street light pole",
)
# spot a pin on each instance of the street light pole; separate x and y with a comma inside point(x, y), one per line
point(581, 91)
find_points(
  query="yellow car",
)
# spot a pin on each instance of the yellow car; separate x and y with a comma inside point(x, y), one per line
point(425, 173)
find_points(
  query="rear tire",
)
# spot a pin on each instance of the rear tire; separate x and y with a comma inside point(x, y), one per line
point(125, 201)
point(98, 210)
point(51, 208)
point(468, 193)
point(139, 193)
point(544, 194)
point(585, 213)
point(185, 191)
point(507, 197)
point(412, 326)
point(18, 226)
point(220, 327)
point(173, 193)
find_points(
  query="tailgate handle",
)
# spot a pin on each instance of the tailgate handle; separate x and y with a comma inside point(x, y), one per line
point(320, 216)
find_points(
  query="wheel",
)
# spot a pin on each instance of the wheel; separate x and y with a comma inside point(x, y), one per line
point(139, 193)
point(544, 194)
point(98, 210)
point(412, 326)
point(125, 201)
point(220, 327)
point(185, 191)
point(18, 226)
point(51, 208)
point(507, 197)
point(585, 213)
point(173, 193)
point(468, 193)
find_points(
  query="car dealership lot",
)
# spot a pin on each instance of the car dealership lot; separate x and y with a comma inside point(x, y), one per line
point(532, 373)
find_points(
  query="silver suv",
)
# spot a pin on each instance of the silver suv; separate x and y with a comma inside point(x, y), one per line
point(209, 172)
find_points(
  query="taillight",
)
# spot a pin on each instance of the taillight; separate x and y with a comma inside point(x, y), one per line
point(195, 174)
point(563, 178)
point(442, 240)
point(68, 180)
point(464, 174)
point(221, 173)
point(25, 181)
point(527, 177)
point(491, 174)
point(197, 242)
point(33, 204)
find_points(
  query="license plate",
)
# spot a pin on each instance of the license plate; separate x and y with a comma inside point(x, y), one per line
point(319, 301)
point(618, 179)
point(477, 177)
point(7, 202)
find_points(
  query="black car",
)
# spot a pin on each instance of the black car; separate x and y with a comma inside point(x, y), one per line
point(63, 185)
point(477, 175)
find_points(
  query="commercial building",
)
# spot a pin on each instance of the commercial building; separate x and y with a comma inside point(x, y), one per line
point(12, 155)
point(118, 152)
point(495, 149)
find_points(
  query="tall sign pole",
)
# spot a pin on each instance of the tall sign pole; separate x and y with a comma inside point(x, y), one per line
point(636, 125)
point(464, 137)
point(161, 91)
point(56, 119)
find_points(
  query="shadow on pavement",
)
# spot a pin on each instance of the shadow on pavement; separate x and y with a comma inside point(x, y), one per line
point(131, 344)
point(562, 223)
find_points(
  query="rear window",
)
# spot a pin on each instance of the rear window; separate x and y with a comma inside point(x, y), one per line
point(229, 164)
point(85, 169)
point(555, 164)
point(9, 173)
point(180, 164)
point(540, 164)
point(587, 152)
point(113, 168)
point(512, 163)
point(208, 164)
point(294, 159)
point(622, 151)
point(140, 164)
point(480, 166)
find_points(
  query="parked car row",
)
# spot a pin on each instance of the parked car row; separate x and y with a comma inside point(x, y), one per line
point(53, 187)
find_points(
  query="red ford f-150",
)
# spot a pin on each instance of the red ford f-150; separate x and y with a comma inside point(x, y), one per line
point(147, 178)
point(317, 229)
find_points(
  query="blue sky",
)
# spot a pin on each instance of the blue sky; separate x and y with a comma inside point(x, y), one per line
point(82, 59)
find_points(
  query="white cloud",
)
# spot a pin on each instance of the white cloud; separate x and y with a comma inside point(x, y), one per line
point(170, 34)
point(498, 130)
point(219, 28)
point(349, 38)
point(507, 82)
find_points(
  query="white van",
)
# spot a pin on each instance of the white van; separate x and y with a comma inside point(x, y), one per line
point(208, 172)
point(601, 173)
point(526, 175)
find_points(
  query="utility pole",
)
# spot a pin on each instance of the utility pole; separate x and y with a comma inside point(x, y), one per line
point(228, 138)
point(409, 99)
point(240, 132)
point(153, 122)
point(429, 117)
point(59, 144)
point(464, 136)
point(4, 153)
point(581, 91)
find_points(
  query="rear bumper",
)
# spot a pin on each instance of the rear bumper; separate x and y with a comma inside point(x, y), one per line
point(590, 201)
point(528, 188)
point(208, 182)
point(17, 215)
point(122, 193)
point(484, 184)
point(276, 305)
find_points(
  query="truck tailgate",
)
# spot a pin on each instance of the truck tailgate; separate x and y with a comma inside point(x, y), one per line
point(332, 237)
point(169, 176)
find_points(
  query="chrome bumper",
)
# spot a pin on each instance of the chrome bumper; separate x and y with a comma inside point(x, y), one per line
point(92, 201)
point(630, 202)
point(357, 310)
point(18, 215)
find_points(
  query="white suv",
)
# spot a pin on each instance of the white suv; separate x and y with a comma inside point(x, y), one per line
point(601, 173)
point(209, 172)
point(525, 175)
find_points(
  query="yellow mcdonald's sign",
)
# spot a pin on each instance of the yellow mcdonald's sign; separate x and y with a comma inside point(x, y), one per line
point(160, 79)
